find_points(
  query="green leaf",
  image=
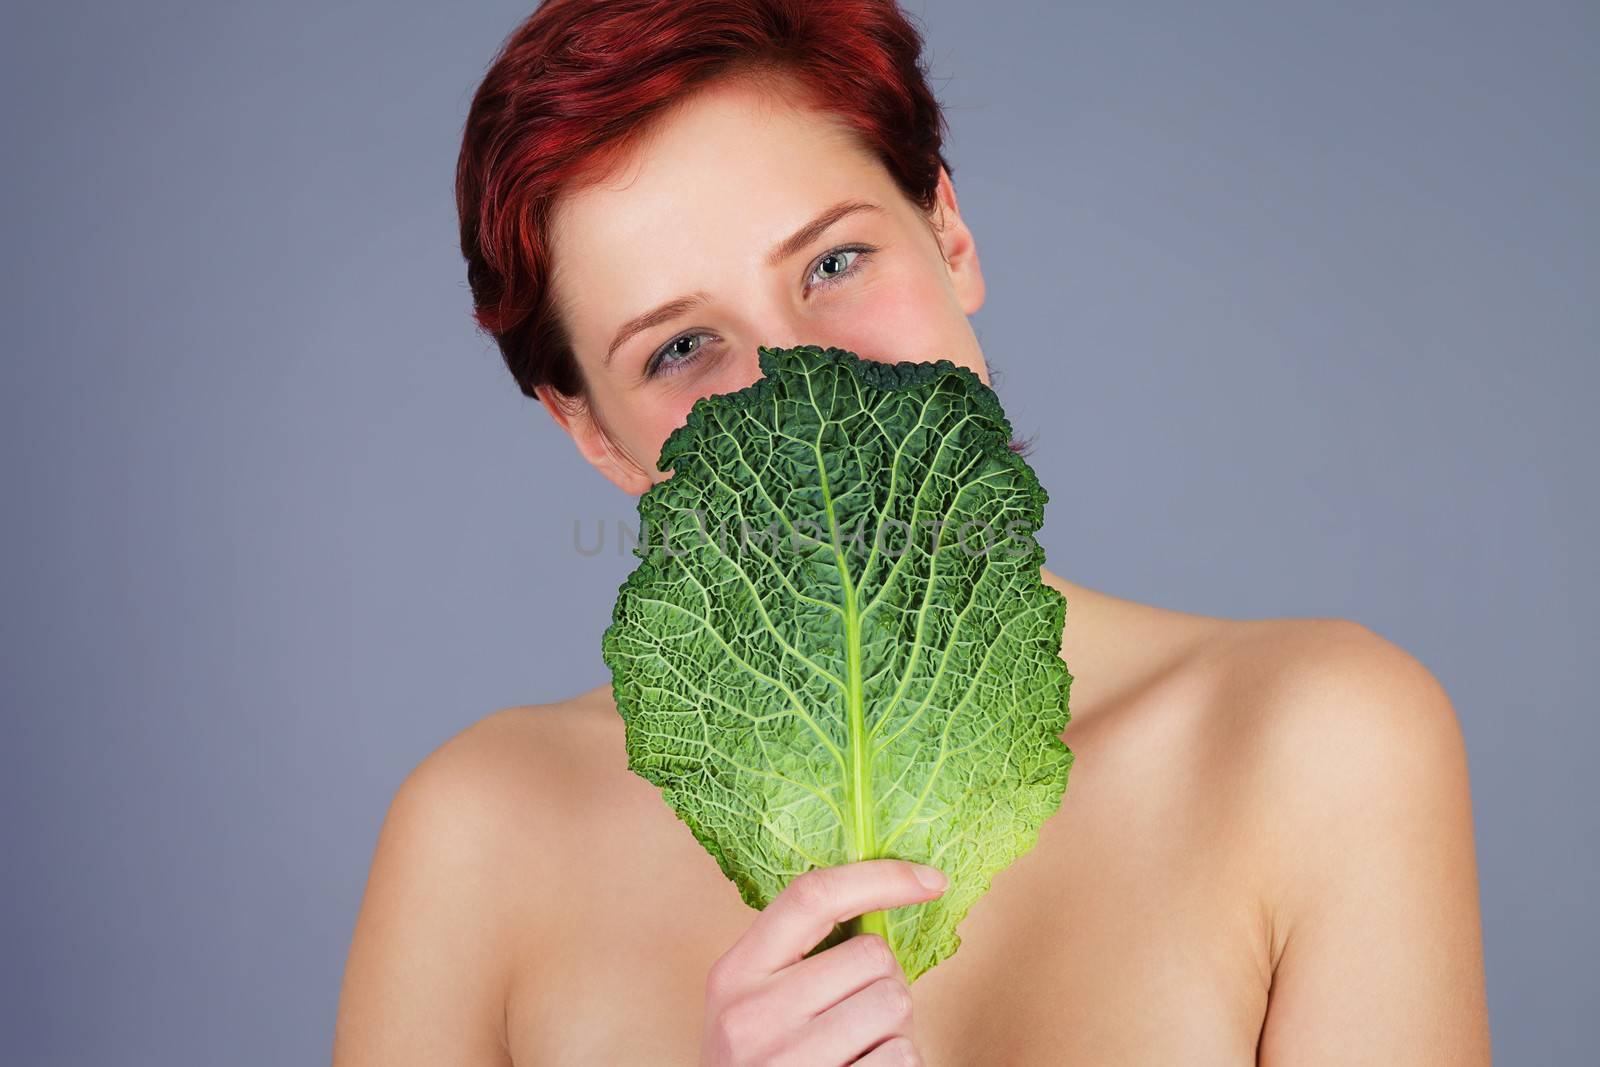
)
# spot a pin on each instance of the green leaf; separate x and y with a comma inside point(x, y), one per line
point(837, 645)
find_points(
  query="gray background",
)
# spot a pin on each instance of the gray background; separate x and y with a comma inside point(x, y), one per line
point(1300, 300)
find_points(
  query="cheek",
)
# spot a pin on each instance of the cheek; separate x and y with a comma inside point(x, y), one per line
point(668, 419)
point(728, 371)
point(663, 418)
point(907, 319)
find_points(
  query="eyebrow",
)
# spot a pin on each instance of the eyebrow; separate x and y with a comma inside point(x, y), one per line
point(784, 249)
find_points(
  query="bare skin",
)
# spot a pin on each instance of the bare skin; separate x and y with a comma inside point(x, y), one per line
point(1265, 851)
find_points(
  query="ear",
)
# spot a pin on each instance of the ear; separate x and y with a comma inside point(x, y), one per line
point(960, 251)
point(577, 418)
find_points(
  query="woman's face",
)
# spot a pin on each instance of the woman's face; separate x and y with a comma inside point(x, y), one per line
point(717, 211)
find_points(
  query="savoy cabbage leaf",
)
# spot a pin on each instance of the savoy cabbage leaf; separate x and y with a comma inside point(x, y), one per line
point(837, 645)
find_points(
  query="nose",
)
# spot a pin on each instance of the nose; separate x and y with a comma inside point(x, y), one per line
point(796, 337)
point(777, 323)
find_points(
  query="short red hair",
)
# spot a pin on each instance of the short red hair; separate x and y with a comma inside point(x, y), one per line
point(578, 81)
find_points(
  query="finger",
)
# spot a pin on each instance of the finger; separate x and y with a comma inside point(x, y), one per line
point(818, 982)
point(811, 904)
point(895, 1052)
point(880, 1011)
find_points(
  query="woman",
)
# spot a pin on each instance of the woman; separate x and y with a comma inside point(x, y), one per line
point(1265, 853)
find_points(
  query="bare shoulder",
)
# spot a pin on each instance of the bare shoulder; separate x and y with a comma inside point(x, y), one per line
point(1328, 723)
point(1348, 762)
point(1324, 710)
point(1286, 677)
point(519, 748)
point(454, 893)
point(511, 777)
point(512, 791)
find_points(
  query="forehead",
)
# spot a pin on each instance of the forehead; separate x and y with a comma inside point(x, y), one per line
point(753, 141)
point(717, 180)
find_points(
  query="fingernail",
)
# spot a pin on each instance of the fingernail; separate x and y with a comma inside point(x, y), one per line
point(932, 877)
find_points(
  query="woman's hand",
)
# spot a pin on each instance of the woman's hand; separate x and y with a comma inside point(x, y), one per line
point(767, 1003)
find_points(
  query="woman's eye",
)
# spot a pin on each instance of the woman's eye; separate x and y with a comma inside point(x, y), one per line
point(835, 264)
point(675, 354)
